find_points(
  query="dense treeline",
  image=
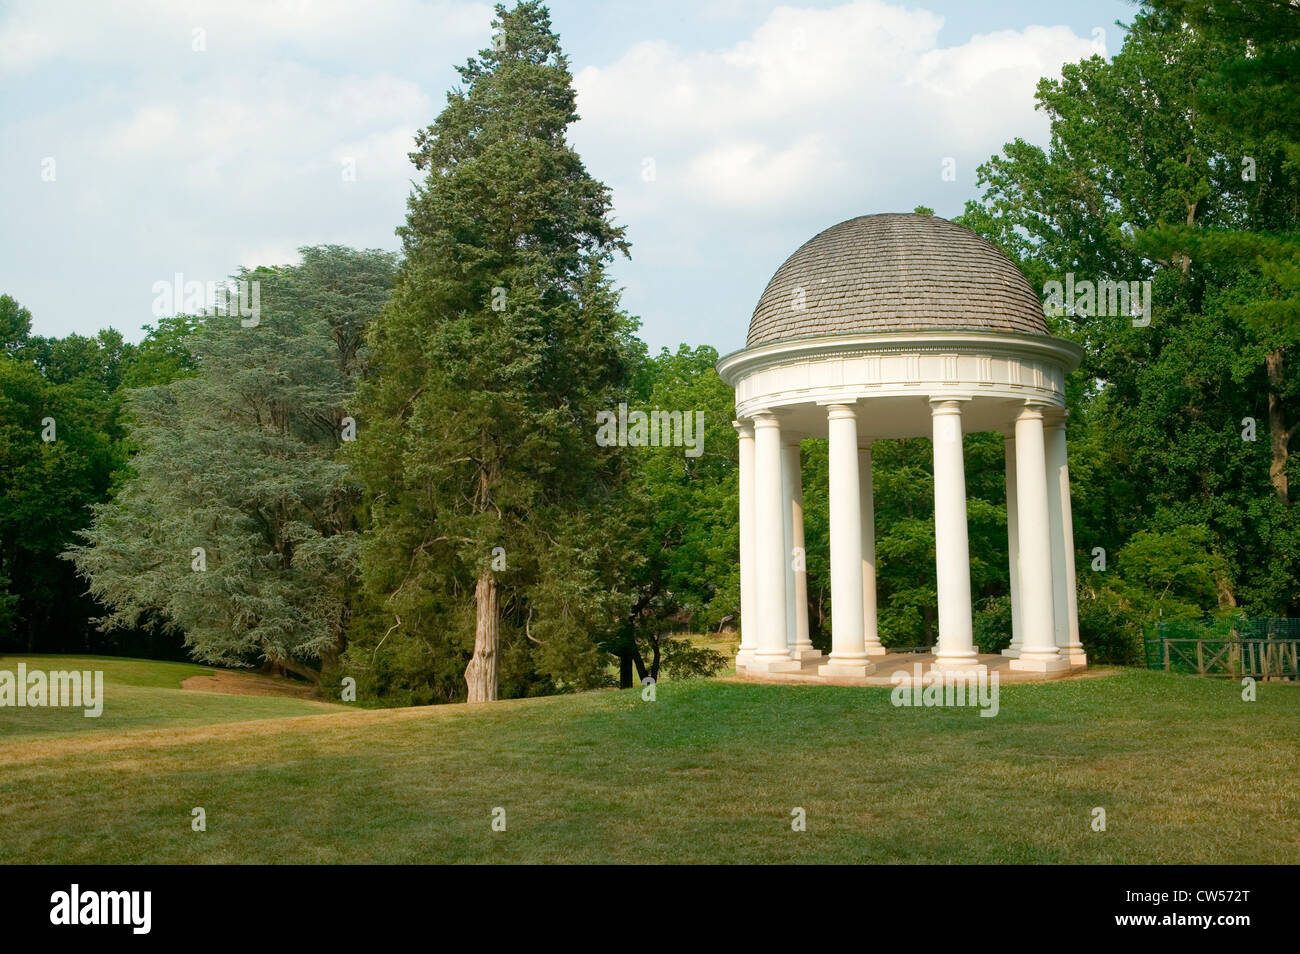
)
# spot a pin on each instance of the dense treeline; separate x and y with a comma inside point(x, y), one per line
point(1175, 163)
point(396, 474)
point(62, 446)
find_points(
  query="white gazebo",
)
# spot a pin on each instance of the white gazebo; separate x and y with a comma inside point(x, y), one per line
point(891, 326)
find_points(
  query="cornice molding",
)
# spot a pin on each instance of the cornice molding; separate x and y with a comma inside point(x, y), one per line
point(732, 367)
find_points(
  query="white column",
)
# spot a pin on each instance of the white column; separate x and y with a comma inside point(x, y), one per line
point(796, 587)
point(787, 543)
point(1038, 651)
point(748, 592)
point(848, 653)
point(769, 546)
point(956, 649)
point(1064, 586)
point(1013, 548)
point(867, 506)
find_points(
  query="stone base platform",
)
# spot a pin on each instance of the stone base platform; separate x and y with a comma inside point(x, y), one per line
point(891, 663)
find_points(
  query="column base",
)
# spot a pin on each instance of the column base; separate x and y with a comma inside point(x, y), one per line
point(1074, 655)
point(806, 654)
point(782, 663)
point(1027, 662)
point(959, 664)
point(849, 667)
point(1011, 652)
point(743, 658)
point(875, 649)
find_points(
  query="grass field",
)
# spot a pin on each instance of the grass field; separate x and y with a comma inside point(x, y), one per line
point(709, 772)
point(141, 693)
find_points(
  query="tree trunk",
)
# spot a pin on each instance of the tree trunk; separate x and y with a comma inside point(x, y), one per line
point(1191, 220)
point(629, 654)
point(1278, 436)
point(295, 667)
point(638, 662)
point(481, 673)
point(1223, 585)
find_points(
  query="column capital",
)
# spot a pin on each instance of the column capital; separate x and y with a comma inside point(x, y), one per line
point(1054, 420)
point(841, 412)
point(744, 428)
point(1033, 410)
point(946, 405)
point(766, 419)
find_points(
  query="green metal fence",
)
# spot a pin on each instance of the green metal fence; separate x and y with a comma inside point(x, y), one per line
point(1233, 646)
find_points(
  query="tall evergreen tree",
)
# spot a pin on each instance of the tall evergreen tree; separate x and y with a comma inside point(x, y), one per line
point(491, 498)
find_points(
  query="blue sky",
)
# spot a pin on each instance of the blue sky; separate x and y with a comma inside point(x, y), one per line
point(144, 139)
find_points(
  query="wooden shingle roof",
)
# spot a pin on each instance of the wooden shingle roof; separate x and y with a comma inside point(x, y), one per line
point(895, 272)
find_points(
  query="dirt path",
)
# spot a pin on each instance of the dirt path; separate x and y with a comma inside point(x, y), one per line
point(248, 684)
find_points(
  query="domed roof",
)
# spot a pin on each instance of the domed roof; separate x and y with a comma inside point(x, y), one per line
point(895, 272)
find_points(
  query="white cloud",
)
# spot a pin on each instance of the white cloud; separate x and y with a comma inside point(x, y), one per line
point(815, 100)
point(35, 32)
point(797, 57)
point(271, 143)
point(979, 88)
point(199, 162)
point(746, 173)
point(149, 129)
point(175, 160)
point(22, 46)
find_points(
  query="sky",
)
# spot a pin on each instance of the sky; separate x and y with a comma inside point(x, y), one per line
point(148, 138)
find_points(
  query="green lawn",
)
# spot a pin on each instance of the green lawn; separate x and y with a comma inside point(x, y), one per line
point(140, 693)
point(1186, 771)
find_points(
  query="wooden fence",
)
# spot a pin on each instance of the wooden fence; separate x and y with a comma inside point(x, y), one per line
point(1268, 658)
